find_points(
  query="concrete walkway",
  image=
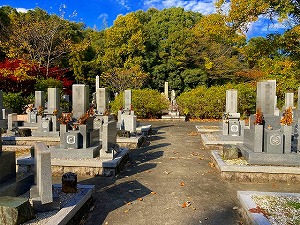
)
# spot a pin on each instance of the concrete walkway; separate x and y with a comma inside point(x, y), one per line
point(171, 181)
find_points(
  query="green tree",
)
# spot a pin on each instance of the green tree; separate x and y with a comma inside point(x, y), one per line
point(39, 37)
point(242, 12)
point(168, 46)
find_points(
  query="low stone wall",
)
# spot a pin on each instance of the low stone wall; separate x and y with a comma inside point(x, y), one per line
point(260, 177)
point(79, 170)
point(256, 173)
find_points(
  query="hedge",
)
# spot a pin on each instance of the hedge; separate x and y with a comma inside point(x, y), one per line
point(146, 103)
point(208, 103)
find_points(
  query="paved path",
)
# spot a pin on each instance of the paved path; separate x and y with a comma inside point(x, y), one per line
point(171, 181)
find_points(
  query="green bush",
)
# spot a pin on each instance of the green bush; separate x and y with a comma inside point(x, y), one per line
point(16, 101)
point(44, 84)
point(146, 103)
point(209, 103)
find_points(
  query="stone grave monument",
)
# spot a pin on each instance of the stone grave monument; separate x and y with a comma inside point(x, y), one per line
point(231, 119)
point(173, 111)
point(47, 119)
point(78, 138)
point(270, 138)
point(126, 119)
point(41, 193)
point(32, 110)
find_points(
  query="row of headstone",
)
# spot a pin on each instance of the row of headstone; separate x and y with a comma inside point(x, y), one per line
point(46, 119)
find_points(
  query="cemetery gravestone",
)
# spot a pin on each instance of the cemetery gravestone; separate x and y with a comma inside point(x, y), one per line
point(101, 101)
point(231, 119)
point(80, 96)
point(39, 100)
point(41, 194)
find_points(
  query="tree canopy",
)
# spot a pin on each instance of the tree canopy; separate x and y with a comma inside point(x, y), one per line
point(143, 49)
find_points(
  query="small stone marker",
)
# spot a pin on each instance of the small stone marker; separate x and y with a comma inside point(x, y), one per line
point(69, 182)
point(230, 152)
point(15, 210)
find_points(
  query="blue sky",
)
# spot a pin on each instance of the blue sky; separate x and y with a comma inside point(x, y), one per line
point(93, 13)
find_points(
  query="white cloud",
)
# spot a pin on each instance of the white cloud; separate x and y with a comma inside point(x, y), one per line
point(103, 16)
point(123, 3)
point(22, 10)
point(204, 7)
point(264, 26)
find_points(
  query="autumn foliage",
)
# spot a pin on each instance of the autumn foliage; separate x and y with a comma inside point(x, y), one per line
point(21, 75)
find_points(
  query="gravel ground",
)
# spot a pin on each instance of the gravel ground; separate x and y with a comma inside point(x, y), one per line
point(279, 209)
point(64, 198)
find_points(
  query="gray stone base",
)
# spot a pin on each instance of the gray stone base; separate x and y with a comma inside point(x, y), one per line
point(207, 129)
point(256, 173)
point(36, 133)
point(29, 141)
point(217, 138)
point(71, 211)
point(82, 153)
point(132, 142)
point(31, 125)
point(262, 158)
point(171, 117)
point(113, 167)
point(83, 167)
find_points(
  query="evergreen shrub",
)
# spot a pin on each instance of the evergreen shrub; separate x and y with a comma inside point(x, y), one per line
point(146, 103)
point(209, 103)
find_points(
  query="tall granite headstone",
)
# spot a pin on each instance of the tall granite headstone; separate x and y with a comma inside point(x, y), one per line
point(127, 100)
point(43, 199)
point(231, 101)
point(53, 100)
point(39, 99)
point(266, 99)
point(289, 100)
point(101, 101)
point(80, 99)
point(43, 189)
